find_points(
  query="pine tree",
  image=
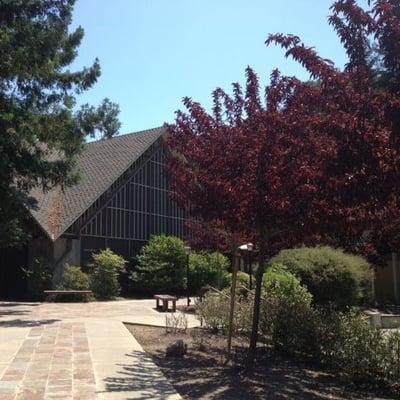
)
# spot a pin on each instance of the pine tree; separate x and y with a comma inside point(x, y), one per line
point(41, 131)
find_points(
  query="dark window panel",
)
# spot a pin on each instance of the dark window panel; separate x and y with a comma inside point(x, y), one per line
point(142, 207)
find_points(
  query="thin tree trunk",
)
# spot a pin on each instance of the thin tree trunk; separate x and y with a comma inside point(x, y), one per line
point(232, 307)
point(251, 354)
point(262, 236)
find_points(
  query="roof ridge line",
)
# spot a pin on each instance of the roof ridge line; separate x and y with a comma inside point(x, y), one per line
point(125, 134)
point(56, 236)
point(79, 197)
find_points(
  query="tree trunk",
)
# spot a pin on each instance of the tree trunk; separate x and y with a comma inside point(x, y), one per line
point(251, 354)
point(232, 306)
point(262, 239)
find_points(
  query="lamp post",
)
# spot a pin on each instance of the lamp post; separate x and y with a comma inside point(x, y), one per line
point(187, 248)
point(248, 247)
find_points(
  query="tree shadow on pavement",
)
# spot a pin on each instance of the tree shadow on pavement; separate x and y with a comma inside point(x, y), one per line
point(13, 312)
point(18, 304)
point(20, 323)
point(15, 308)
point(141, 377)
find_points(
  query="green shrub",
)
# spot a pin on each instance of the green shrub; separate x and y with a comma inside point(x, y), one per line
point(105, 273)
point(207, 269)
point(330, 275)
point(286, 311)
point(214, 310)
point(39, 277)
point(347, 342)
point(161, 266)
point(74, 279)
point(243, 279)
point(342, 341)
point(242, 283)
point(391, 355)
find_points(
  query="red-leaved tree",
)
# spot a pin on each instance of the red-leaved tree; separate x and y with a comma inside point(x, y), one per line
point(305, 162)
point(363, 106)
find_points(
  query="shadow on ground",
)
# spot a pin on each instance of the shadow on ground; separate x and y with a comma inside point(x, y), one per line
point(17, 304)
point(198, 377)
point(13, 312)
point(21, 323)
point(205, 375)
point(141, 376)
point(15, 308)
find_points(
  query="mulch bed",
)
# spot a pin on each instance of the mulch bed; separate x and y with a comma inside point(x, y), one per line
point(203, 374)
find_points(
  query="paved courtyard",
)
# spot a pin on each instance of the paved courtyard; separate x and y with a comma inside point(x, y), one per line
point(77, 351)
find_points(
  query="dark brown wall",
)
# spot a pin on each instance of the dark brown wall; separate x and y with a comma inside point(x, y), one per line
point(12, 278)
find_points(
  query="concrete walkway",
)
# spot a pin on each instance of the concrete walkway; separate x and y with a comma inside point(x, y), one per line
point(77, 351)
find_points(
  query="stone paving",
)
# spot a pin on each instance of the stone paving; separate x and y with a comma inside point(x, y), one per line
point(134, 311)
point(78, 351)
point(53, 362)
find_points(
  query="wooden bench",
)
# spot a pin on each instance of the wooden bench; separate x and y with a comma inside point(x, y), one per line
point(52, 294)
point(165, 299)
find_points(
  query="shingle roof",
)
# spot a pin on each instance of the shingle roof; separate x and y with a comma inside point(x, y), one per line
point(100, 163)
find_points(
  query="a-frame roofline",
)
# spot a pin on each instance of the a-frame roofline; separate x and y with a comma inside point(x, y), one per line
point(101, 163)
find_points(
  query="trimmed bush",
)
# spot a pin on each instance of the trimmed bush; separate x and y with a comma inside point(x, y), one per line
point(105, 273)
point(207, 269)
point(74, 279)
point(286, 312)
point(330, 275)
point(161, 266)
point(242, 282)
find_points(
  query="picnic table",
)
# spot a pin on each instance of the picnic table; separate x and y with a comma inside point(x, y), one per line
point(52, 294)
point(165, 299)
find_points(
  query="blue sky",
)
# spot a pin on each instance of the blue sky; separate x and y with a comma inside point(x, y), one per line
point(154, 52)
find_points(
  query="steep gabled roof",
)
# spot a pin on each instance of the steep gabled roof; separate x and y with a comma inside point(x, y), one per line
point(100, 163)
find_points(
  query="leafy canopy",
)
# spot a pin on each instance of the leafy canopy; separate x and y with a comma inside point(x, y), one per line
point(41, 131)
point(319, 161)
point(305, 163)
point(360, 112)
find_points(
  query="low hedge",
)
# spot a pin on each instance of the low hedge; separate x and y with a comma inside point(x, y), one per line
point(331, 275)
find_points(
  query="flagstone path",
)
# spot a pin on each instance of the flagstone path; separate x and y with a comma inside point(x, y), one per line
point(75, 351)
point(53, 362)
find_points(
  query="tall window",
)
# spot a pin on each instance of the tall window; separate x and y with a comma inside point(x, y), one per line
point(142, 207)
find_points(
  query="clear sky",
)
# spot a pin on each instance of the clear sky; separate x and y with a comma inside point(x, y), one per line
point(154, 52)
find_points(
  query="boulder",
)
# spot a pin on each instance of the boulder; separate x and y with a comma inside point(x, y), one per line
point(176, 349)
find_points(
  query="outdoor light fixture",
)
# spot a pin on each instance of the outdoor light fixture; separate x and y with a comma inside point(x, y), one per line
point(249, 247)
point(187, 248)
